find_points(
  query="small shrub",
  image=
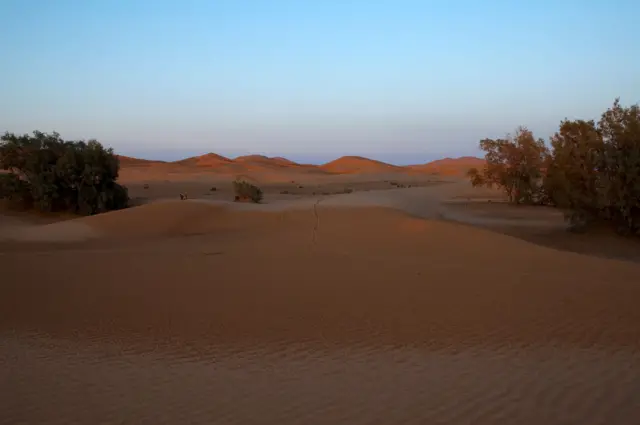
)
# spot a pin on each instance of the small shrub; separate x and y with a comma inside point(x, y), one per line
point(213, 189)
point(146, 186)
point(245, 191)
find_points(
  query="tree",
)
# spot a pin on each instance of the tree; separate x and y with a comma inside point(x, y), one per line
point(476, 177)
point(620, 165)
point(573, 176)
point(514, 165)
point(58, 175)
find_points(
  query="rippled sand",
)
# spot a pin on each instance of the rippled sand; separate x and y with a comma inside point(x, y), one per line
point(193, 313)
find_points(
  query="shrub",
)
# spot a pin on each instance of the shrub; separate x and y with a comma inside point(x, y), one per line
point(572, 179)
point(14, 189)
point(52, 174)
point(513, 164)
point(246, 191)
point(476, 177)
point(620, 166)
point(592, 170)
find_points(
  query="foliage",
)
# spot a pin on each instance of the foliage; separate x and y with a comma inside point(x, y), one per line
point(55, 174)
point(572, 179)
point(14, 189)
point(592, 170)
point(476, 177)
point(246, 191)
point(620, 166)
point(513, 164)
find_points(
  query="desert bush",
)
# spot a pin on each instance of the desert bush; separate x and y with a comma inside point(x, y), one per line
point(620, 166)
point(476, 177)
point(246, 191)
point(513, 164)
point(14, 189)
point(573, 171)
point(52, 174)
point(592, 170)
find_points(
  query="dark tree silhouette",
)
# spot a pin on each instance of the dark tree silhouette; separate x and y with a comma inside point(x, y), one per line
point(52, 174)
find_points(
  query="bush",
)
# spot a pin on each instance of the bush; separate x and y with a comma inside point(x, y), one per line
point(572, 179)
point(51, 174)
point(592, 170)
point(15, 189)
point(246, 191)
point(513, 164)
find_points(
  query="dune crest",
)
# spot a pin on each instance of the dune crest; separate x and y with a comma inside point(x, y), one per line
point(449, 166)
point(206, 160)
point(358, 164)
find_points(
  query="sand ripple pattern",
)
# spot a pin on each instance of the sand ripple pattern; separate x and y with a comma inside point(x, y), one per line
point(191, 313)
point(63, 382)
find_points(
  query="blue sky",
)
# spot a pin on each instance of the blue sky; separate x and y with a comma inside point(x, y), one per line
point(397, 80)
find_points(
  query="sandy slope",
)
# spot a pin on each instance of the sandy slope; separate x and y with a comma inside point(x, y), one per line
point(357, 164)
point(449, 166)
point(341, 309)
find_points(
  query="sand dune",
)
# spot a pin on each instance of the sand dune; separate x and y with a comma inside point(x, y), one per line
point(255, 164)
point(206, 160)
point(358, 164)
point(265, 160)
point(450, 166)
point(127, 161)
point(350, 309)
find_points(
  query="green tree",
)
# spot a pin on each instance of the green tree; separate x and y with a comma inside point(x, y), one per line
point(57, 175)
point(574, 175)
point(515, 165)
point(620, 165)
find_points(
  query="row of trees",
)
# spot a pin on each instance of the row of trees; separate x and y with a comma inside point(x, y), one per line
point(45, 172)
point(591, 170)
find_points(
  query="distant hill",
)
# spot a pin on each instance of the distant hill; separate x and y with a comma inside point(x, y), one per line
point(206, 160)
point(265, 160)
point(128, 161)
point(357, 164)
point(450, 166)
point(342, 165)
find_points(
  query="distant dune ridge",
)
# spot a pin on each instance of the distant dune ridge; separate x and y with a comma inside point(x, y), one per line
point(357, 164)
point(450, 166)
point(342, 165)
point(206, 160)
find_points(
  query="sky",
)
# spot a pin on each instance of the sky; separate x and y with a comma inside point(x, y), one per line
point(404, 81)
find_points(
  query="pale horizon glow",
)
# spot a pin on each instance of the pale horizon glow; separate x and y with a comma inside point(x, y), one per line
point(401, 81)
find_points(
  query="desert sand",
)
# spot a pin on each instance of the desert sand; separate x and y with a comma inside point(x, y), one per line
point(412, 299)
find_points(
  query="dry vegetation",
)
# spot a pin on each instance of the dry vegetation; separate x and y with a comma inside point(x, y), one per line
point(591, 170)
point(246, 191)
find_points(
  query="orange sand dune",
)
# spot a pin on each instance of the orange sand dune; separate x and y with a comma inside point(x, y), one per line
point(344, 165)
point(194, 312)
point(450, 166)
point(261, 159)
point(358, 164)
point(206, 160)
point(127, 161)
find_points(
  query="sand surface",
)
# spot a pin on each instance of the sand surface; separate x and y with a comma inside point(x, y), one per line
point(416, 305)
